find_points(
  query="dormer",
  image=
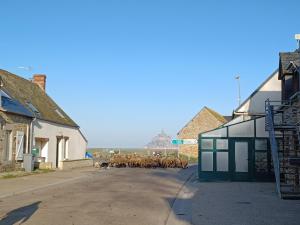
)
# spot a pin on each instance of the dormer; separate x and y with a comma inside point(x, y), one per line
point(289, 68)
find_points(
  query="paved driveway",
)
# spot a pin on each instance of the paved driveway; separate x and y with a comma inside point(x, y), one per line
point(116, 196)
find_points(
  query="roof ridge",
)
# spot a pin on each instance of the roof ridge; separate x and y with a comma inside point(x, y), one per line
point(25, 90)
point(217, 115)
point(257, 89)
point(19, 77)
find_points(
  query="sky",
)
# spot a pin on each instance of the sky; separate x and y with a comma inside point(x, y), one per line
point(126, 69)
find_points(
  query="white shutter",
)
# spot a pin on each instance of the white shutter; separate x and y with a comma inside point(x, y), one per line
point(20, 145)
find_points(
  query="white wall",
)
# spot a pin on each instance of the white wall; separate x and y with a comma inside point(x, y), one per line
point(256, 104)
point(77, 145)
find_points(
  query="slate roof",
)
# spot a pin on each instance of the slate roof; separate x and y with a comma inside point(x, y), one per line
point(26, 94)
point(228, 118)
point(286, 59)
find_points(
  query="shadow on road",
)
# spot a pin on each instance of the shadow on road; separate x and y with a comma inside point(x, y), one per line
point(181, 205)
point(20, 215)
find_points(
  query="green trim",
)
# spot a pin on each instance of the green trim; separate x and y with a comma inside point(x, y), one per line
point(232, 175)
point(218, 128)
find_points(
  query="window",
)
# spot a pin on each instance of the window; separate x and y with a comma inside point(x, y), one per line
point(207, 144)
point(207, 161)
point(222, 144)
point(222, 161)
point(66, 148)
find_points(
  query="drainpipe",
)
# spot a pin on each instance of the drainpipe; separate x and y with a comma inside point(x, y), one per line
point(31, 135)
point(28, 138)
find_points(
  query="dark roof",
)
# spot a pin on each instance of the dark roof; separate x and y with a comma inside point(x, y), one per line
point(228, 118)
point(286, 59)
point(33, 99)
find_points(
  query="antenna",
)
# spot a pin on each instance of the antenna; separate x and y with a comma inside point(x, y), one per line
point(297, 37)
point(239, 89)
point(27, 68)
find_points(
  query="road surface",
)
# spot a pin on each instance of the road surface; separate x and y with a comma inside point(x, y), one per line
point(115, 196)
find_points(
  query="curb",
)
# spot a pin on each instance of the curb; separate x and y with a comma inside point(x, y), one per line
point(180, 212)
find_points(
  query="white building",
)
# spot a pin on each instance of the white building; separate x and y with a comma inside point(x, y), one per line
point(54, 136)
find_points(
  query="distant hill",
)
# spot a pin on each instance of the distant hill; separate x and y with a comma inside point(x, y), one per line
point(161, 141)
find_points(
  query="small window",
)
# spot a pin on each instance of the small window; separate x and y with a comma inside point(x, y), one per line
point(222, 161)
point(207, 144)
point(59, 113)
point(207, 162)
point(33, 108)
point(222, 144)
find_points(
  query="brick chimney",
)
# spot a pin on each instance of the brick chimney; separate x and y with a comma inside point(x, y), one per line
point(40, 79)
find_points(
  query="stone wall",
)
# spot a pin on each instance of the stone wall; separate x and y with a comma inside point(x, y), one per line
point(202, 122)
point(189, 150)
point(291, 143)
point(291, 116)
point(13, 123)
point(72, 164)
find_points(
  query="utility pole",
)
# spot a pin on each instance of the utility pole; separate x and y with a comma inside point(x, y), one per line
point(297, 37)
point(239, 89)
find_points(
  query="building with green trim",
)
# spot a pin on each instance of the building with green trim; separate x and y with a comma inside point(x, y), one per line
point(239, 150)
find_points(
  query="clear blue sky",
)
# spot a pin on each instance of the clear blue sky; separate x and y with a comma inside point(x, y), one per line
point(125, 69)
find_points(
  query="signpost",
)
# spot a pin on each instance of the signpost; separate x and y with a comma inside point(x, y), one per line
point(185, 142)
point(177, 142)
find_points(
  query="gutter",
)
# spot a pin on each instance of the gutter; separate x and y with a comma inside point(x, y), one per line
point(31, 135)
point(249, 114)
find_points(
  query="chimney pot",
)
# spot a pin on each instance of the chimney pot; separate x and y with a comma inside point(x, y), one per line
point(40, 80)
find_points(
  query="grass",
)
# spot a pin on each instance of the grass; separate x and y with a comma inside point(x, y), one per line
point(9, 176)
point(16, 174)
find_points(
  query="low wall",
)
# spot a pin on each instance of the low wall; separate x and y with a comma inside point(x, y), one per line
point(71, 164)
point(189, 150)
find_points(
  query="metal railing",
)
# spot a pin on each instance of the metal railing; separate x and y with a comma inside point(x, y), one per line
point(273, 143)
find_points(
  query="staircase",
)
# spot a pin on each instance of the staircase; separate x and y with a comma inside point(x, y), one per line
point(284, 133)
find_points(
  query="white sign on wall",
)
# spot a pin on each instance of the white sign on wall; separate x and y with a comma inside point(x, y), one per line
point(190, 141)
point(185, 142)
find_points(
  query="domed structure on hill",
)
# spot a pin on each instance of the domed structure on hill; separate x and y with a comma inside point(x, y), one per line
point(161, 141)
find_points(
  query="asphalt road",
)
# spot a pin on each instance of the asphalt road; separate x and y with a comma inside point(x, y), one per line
point(116, 196)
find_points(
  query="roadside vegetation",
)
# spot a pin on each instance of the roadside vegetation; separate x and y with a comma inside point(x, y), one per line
point(16, 174)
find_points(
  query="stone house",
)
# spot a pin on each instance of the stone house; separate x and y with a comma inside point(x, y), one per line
point(50, 134)
point(284, 120)
point(206, 119)
point(15, 121)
